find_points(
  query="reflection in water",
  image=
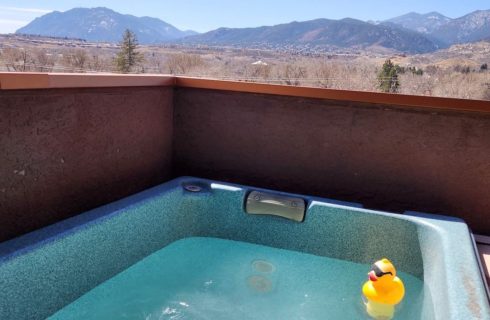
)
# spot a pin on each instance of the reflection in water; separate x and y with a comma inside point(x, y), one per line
point(259, 284)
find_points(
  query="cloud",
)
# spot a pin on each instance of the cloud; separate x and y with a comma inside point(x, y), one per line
point(12, 18)
point(25, 10)
point(13, 22)
point(10, 25)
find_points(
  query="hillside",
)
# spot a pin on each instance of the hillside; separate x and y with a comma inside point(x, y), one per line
point(469, 28)
point(102, 24)
point(345, 33)
point(423, 23)
point(472, 27)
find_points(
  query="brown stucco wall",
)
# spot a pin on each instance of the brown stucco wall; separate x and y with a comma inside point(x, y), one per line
point(64, 151)
point(382, 156)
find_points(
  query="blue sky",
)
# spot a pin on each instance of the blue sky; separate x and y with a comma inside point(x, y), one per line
point(205, 15)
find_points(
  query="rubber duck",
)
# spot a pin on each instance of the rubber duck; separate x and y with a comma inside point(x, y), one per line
point(383, 291)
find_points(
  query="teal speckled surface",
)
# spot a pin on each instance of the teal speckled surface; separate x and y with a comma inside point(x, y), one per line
point(45, 270)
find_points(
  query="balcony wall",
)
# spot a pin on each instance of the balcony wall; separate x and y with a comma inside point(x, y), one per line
point(72, 143)
point(387, 157)
point(64, 151)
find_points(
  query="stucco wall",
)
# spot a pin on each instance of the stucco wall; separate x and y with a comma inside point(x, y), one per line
point(382, 156)
point(64, 151)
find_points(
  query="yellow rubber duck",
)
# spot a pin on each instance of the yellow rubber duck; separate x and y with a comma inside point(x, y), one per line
point(383, 291)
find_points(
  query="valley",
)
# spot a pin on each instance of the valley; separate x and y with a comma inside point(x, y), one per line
point(433, 55)
point(458, 71)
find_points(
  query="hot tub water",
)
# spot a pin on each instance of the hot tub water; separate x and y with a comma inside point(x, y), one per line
point(209, 278)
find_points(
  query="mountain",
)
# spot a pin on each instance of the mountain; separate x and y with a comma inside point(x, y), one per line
point(469, 28)
point(321, 32)
point(423, 23)
point(102, 24)
point(411, 33)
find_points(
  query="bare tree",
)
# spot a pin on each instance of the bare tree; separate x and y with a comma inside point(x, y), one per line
point(156, 63)
point(43, 60)
point(182, 63)
point(324, 72)
point(256, 72)
point(292, 74)
point(97, 63)
point(17, 59)
point(75, 59)
point(486, 93)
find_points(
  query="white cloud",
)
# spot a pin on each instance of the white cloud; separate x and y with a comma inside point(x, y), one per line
point(14, 22)
point(25, 10)
point(13, 18)
point(10, 25)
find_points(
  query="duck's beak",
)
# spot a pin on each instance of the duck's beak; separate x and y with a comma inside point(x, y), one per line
point(372, 276)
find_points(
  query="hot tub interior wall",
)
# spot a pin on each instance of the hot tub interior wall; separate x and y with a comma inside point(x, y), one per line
point(68, 150)
point(62, 270)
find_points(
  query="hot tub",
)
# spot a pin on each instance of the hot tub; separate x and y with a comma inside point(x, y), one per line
point(188, 249)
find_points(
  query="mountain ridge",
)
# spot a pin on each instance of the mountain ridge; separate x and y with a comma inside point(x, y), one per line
point(471, 27)
point(342, 33)
point(410, 33)
point(423, 23)
point(102, 24)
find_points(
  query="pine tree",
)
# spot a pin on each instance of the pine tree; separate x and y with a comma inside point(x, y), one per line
point(128, 57)
point(388, 77)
